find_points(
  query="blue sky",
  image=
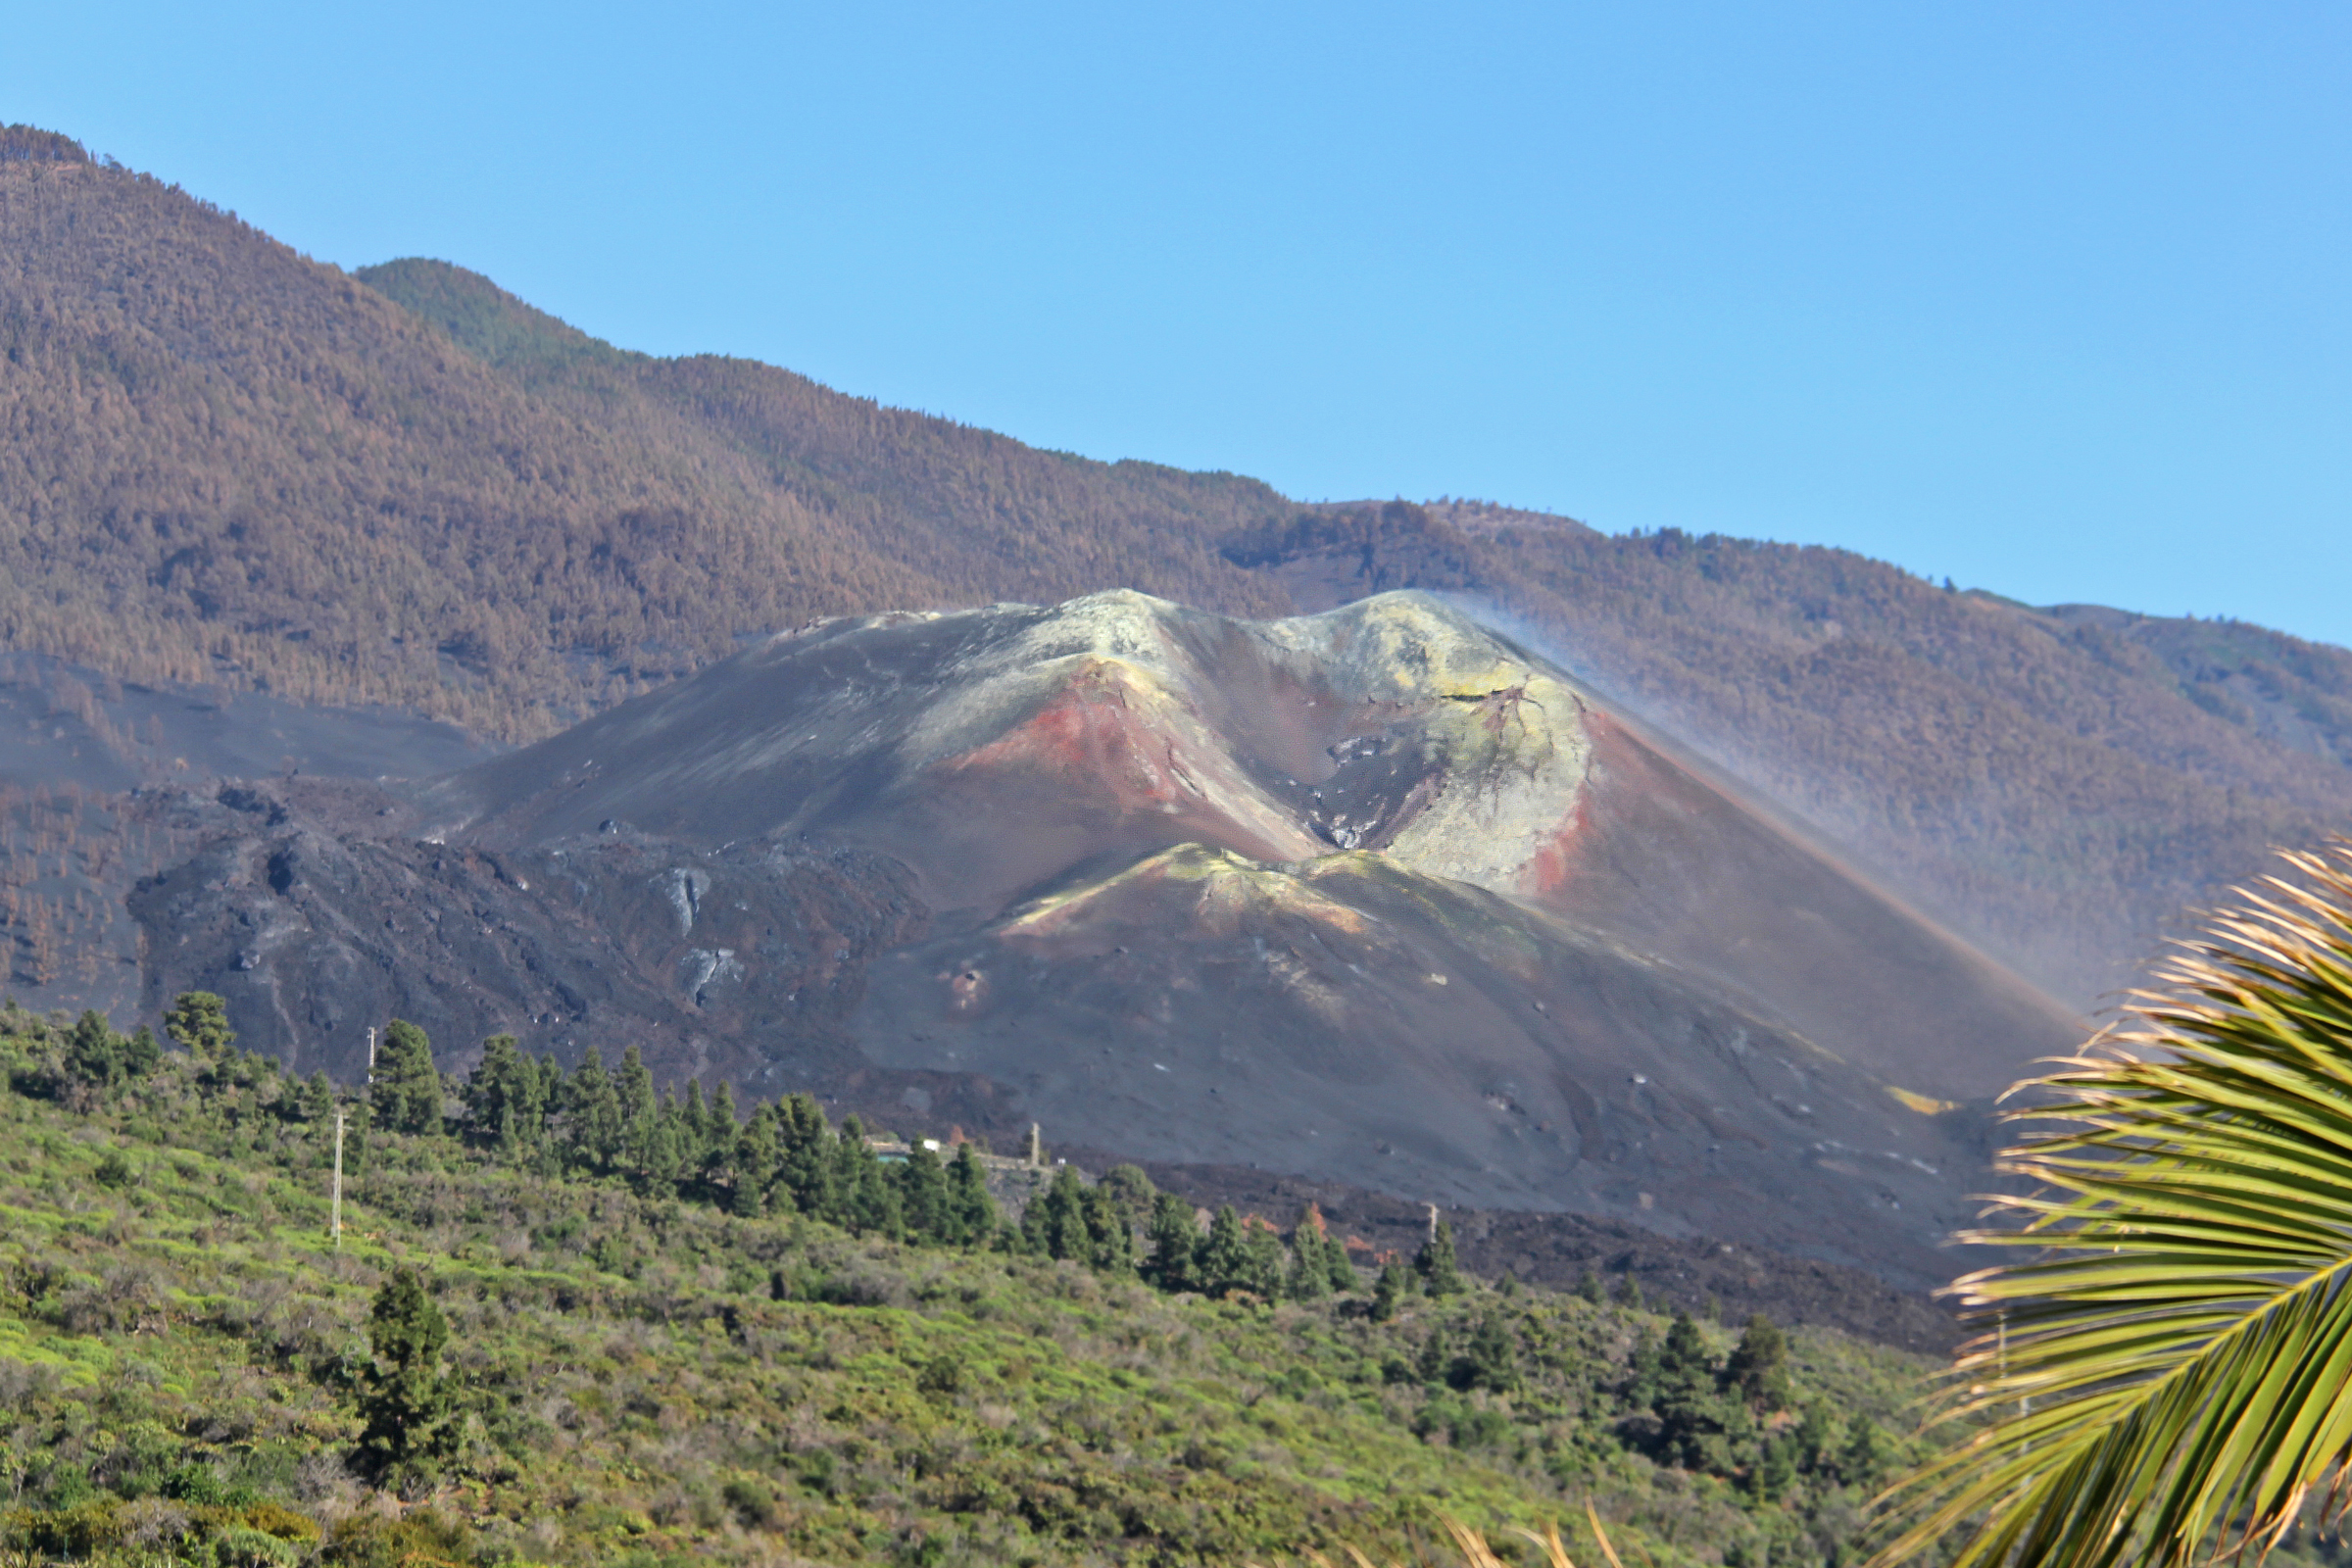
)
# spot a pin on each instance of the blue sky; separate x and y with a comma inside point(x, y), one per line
point(2050, 299)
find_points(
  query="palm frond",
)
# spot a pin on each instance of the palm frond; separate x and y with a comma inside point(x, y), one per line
point(1477, 1554)
point(2170, 1377)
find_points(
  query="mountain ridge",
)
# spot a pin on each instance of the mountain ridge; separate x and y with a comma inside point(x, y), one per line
point(225, 464)
point(302, 486)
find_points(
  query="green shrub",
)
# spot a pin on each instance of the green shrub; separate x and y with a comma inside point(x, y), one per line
point(77, 1531)
point(422, 1539)
point(752, 1502)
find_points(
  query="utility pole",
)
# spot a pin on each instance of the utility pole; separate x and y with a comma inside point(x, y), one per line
point(338, 1181)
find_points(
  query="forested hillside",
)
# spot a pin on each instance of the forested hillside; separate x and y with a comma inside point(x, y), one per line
point(572, 1322)
point(221, 461)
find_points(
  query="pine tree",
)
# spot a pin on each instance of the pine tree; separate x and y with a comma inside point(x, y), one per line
point(1110, 1230)
point(1389, 1294)
point(592, 1114)
point(633, 1088)
point(1682, 1360)
point(1641, 1387)
point(411, 1428)
point(496, 1092)
point(198, 1022)
point(719, 1127)
point(547, 1098)
point(1263, 1245)
point(923, 1195)
point(1866, 1458)
point(809, 1171)
point(756, 1160)
point(1316, 1252)
point(1055, 1222)
point(1437, 1355)
point(1817, 1437)
point(142, 1053)
point(407, 1088)
point(1758, 1368)
point(1435, 1263)
point(1223, 1264)
point(318, 1099)
point(869, 1198)
point(1309, 1277)
point(971, 1212)
point(665, 1146)
point(94, 1052)
point(1776, 1467)
point(1344, 1278)
point(1175, 1245)
point(1133, 1190)
point(1491, 1359)
point(1684, 1397)
point(538, 1098)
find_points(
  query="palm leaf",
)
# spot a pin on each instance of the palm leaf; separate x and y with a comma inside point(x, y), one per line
point(2168, 1376)
point(1477, 1554)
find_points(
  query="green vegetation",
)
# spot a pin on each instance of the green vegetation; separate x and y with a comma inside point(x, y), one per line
point(562, 1348)
point(2171, 1382)
point(410, 1411)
